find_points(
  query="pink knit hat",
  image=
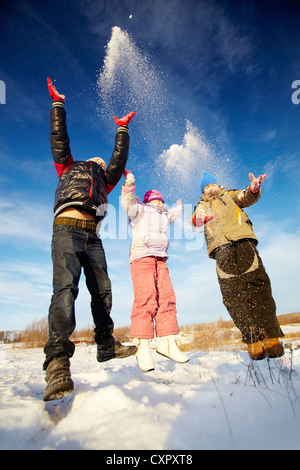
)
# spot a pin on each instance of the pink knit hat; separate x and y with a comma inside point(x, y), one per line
point(152, 195)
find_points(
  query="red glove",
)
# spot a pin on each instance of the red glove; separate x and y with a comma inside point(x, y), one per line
point(54, 93)
point(200, 219)
point(256, 182)
point(125, 119)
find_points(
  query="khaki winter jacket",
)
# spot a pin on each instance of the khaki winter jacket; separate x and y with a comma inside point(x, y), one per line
point(230, 223)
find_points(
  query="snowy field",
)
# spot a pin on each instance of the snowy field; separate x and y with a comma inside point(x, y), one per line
point(218, 400)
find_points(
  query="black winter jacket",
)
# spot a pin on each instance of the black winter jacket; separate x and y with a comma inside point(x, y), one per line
point(83, 185)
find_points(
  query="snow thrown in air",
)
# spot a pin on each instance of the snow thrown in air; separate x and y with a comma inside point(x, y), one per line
point(173, 157)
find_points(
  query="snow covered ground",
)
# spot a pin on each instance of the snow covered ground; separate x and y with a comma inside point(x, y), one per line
point(218, 400)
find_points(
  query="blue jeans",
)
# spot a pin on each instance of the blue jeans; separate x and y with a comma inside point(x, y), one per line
point(72, 249)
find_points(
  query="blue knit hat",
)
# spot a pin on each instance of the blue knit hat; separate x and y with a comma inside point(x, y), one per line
point(207, 178)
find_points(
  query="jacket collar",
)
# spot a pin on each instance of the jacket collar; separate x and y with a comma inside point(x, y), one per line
point(210, 197)
point(165, 209)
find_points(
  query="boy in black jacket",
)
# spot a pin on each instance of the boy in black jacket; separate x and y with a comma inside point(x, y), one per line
point(80, 204)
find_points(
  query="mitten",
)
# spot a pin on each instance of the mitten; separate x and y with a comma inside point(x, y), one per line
point(256, 182)
point(58, 99)
point(129, 178)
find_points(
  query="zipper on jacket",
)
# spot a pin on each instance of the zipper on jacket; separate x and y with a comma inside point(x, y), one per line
point(91, 187)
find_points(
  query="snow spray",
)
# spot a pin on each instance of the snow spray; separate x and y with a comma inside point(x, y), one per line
point(182, 165)
point(128, 81)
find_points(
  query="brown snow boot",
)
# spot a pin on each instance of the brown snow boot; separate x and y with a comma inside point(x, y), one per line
point(256, 351)
point(273, 348)
point(58, 378)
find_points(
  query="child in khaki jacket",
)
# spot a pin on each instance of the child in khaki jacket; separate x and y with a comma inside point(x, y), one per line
point(244, 283)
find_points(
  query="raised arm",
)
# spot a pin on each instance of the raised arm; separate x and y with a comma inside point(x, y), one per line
point(129, 201)
point(175, 211)
point(250, 195)
point(117, 163)
point(59, 139)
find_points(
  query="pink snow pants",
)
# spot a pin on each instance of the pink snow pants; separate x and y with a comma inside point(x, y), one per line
point(154, 299)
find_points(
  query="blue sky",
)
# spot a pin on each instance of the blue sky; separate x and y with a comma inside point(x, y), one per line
point(211, 82)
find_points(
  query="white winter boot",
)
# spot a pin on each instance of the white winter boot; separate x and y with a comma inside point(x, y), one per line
point(168, 347)
point(143, 354)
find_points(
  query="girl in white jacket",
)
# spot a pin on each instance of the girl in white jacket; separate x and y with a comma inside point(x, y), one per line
point(154, 307)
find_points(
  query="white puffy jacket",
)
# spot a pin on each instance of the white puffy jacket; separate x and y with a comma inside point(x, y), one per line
point(149, 225)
